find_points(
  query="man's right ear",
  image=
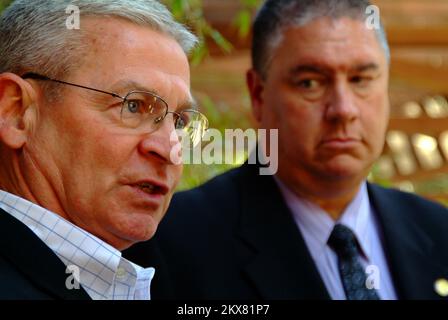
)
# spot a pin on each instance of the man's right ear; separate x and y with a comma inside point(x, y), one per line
point(17, 110)
point(255, 86)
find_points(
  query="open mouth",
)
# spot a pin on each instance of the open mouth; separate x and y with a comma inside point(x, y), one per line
point(149, 188)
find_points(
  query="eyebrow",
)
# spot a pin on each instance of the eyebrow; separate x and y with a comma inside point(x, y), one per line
point(308, 68)
point(311, 68)
point(366, 67)
point(133, 85)
point(127, 85)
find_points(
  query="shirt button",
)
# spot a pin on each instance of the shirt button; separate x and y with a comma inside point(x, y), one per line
point(121, 273)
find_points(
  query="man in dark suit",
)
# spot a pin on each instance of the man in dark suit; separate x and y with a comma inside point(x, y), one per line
point(316, 229)
point(85, 143)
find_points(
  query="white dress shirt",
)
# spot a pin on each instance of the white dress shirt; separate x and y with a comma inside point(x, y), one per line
point(316, 226)
point(103, 273)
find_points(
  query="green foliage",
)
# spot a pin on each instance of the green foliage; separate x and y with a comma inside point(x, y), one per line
point(190, 12)
point(243, 20)
point(4, 4)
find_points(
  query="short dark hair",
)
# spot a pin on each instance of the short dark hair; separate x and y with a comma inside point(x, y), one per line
point(276, 15)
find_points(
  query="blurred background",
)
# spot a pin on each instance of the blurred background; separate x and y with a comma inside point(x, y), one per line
point(415, 156)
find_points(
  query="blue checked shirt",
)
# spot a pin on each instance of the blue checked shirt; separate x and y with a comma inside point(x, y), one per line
point(103, 273)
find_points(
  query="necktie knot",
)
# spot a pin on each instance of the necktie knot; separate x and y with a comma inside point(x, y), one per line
point(343, 241)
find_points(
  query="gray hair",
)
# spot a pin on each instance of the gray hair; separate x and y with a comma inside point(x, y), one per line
point(277, 15)
point(34, 36)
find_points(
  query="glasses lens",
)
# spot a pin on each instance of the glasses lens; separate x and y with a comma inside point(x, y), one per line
point(143, 110)
point(194, 124)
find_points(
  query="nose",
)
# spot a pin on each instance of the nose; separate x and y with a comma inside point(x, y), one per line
point(341, 105)
point(160, 143)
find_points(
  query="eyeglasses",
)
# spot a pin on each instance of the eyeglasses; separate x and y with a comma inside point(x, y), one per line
point(144, 111)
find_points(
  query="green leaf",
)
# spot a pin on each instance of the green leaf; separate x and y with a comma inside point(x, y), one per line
point(243, 22)
point(177, 7)
point(4, 4)
point(251, 3)
point(221, 41)
point(199, 53)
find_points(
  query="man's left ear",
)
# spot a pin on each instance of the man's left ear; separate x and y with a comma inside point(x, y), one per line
point(17, 110)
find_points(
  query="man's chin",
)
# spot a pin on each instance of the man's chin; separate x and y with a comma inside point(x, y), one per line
point(137, 230)
point(128, 240)
point(343, 167)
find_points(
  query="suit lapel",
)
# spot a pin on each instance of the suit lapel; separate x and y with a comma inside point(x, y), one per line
point(147, 254)
point(34, 259)
point(281, 266)
point(408, 249)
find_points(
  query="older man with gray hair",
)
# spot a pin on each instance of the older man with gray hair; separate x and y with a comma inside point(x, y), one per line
point(86, 120)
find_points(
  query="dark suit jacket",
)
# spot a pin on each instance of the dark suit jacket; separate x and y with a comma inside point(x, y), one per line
point(234, 238)
point(30, 270)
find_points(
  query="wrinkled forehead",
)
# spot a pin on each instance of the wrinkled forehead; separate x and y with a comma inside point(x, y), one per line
point(118, 51)
point(129, 41)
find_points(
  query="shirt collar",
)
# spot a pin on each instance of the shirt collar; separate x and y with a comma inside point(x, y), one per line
point(103, 272)
point(318, 223)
